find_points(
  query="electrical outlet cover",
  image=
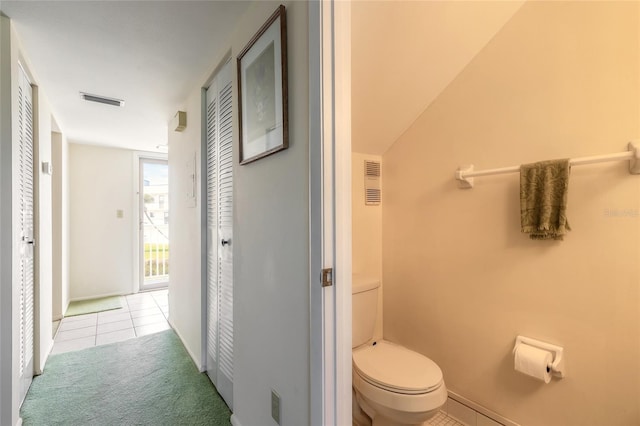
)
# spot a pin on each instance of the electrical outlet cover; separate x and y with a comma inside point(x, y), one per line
point(275, 406)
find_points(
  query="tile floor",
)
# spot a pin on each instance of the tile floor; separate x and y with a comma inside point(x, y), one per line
point(143, 313)
point(441, 419)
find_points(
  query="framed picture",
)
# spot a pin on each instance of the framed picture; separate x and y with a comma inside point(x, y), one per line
point(262, 86)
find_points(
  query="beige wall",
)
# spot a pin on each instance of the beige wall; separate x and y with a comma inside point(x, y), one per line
point(100, 243)
point(366, 231)
point(561, 79)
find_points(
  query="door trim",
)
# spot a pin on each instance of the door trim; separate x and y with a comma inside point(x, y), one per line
point(330, 210)
point(343, 202)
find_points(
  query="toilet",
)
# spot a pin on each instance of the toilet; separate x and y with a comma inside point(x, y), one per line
point(392, 384)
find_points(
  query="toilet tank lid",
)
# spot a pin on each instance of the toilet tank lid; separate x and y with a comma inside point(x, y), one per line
point(363, 283)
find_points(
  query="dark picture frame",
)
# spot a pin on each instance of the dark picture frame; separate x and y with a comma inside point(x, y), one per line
point(262, 91)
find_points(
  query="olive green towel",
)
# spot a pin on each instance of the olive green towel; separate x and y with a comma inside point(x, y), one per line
point(543, 199)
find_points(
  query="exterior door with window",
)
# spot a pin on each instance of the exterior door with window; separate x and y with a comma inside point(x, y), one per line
point(219, 195)
point(154, 223)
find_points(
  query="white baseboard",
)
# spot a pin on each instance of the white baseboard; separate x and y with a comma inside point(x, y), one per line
point(95, 296)
point(481, 410)
point(45, 358)
point(235, 421)
point(201, 368)
point(19, 422)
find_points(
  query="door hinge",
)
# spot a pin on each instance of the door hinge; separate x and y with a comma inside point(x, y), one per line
point(327, 277)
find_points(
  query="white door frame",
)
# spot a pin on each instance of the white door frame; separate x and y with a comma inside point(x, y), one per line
point(137, 156)
point(330, 210)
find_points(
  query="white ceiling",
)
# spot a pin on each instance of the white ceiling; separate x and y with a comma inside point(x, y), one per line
point(151, 54)
point(405, 53)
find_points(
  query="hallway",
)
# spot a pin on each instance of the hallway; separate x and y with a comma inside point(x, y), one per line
point(142, 314)
point(150, 380)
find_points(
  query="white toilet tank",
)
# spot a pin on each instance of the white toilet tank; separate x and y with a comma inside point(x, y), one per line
point(364, 308)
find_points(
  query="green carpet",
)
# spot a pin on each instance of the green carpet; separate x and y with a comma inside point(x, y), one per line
point(89, 306)
point(149, 380)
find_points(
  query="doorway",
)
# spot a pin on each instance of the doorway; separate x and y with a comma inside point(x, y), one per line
point(154, 223)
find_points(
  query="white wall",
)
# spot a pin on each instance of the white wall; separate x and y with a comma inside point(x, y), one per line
point(44, 233)
point(60, 221)
point(100, 244)
point(271, 254)
point(184, 231)
point(270, 244)
point(15, 231)
point(6, 260)
point(10, 55)
point(366, 230)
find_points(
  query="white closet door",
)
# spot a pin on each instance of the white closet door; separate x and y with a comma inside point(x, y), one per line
point(220, 233)
point(26, 222)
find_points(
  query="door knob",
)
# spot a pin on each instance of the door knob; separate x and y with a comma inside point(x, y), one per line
point(225, 242)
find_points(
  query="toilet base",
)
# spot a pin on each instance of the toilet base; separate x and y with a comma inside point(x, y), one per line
point(359, 417)
point(378, 419)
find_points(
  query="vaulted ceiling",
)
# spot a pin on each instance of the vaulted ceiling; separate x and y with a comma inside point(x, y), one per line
point(405, 53)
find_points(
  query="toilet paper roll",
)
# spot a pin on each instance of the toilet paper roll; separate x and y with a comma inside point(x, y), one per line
point(533, 362)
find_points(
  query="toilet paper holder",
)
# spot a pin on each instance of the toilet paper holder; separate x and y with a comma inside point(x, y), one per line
point(557, 365)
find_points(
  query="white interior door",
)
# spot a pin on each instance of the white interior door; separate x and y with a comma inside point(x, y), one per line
point(26, 229)
point(220, 233)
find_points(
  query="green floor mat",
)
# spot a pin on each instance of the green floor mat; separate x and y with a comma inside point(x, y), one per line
point(89, 306)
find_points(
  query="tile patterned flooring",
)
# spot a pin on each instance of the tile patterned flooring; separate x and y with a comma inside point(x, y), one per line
point(441, 419)
point(143, 313)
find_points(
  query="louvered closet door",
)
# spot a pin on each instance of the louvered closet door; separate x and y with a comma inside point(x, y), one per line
point(25, 194)
point(220, 232)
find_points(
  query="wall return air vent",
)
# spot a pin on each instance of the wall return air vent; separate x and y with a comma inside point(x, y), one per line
point(102, 99)
point(372, 193)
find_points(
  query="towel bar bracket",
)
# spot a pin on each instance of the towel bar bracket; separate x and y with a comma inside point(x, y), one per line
point(464, 182)
point(634, 162)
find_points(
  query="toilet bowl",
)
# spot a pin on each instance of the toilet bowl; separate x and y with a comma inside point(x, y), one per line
point(396, 386)
point(393, 385)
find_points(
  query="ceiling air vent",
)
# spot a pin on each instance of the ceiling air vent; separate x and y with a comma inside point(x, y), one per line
point(372, 194)
point(102, 99)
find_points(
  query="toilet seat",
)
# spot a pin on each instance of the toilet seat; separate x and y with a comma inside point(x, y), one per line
point(397, 369)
